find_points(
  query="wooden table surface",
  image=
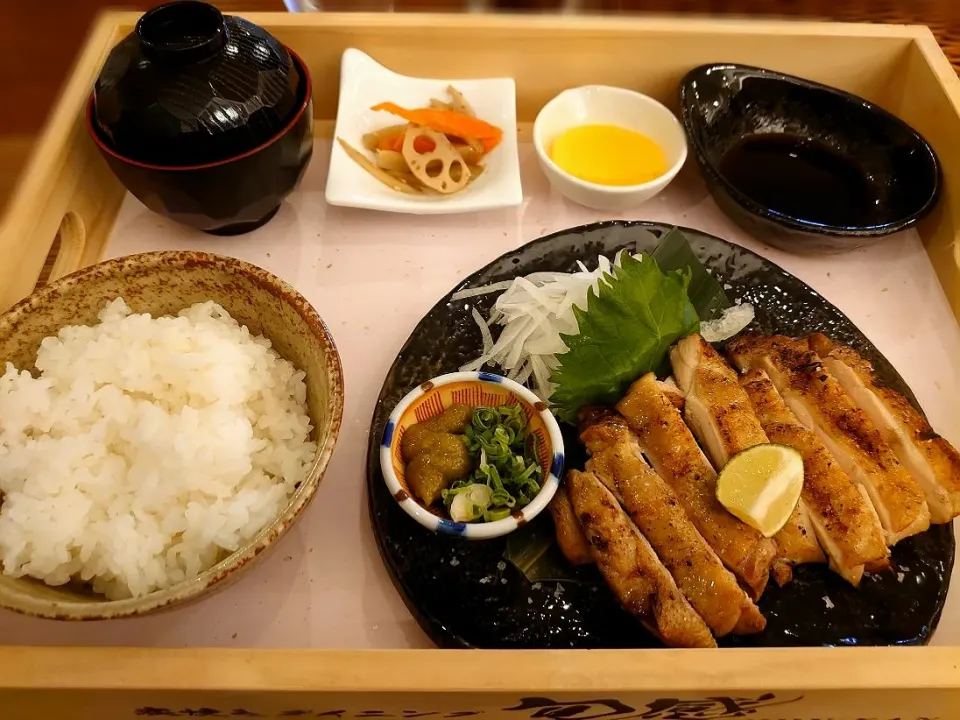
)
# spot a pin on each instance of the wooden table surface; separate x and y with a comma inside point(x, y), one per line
point(43, 37)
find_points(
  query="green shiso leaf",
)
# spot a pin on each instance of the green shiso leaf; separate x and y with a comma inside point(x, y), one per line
point(625, 331)
point(534, 552)
point(705, 291)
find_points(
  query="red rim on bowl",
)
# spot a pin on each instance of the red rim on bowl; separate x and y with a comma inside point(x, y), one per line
point(308, 95)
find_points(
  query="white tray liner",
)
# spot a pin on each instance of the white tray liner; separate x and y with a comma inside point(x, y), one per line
point(372, 276)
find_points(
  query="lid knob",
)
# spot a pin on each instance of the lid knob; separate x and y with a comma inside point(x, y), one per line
point(182, 32)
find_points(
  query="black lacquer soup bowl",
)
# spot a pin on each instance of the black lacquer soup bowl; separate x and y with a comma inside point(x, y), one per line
point(207, 119)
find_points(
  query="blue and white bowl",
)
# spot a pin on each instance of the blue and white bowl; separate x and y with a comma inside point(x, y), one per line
point(477, 389)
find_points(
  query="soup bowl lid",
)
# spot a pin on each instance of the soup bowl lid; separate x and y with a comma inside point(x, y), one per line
point(191, 86)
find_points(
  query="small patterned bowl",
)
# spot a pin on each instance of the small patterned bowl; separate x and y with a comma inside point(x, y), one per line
point(478, 389)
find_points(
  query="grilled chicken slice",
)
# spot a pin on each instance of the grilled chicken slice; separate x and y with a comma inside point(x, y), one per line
point(717, 408)
point(820, 403)
point(673, 392)
point(656, 511)
point(932, 461)
point(573, 543)
point(797, 544)
point(631, 568)
point(667, 443)
point(843, 519)
point(719, 412)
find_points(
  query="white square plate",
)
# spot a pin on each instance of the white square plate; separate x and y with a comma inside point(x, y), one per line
point(363, 84)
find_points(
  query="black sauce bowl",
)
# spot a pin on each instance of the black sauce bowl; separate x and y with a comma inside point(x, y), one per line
point(230, 196)
point(723, 103)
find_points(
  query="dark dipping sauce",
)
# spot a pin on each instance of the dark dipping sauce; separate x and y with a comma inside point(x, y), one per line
point(801, 178)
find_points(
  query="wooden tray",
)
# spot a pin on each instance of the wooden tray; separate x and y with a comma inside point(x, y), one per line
point(69, 203)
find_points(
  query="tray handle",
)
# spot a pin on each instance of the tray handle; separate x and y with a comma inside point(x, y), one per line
point(60, 216)
point(66, 252)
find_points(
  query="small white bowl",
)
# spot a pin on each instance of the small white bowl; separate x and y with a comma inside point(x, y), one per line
point(473, 388)
point(605, 105)
point(364, 83)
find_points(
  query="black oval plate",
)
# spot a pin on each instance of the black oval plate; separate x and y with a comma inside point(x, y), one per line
point(464, 594)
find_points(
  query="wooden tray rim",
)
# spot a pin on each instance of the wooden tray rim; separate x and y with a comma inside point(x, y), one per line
point(496, 671)
point(883, 670)
point(50, 152)
point(110, 23)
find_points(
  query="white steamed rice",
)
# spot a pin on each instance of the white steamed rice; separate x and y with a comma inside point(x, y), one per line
point(147, 449)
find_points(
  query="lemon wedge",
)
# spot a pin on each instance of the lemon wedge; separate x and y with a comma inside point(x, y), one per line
point(761, 486)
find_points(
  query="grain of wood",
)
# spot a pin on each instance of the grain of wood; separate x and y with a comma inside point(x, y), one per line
point(898, 67)
point(123, 683)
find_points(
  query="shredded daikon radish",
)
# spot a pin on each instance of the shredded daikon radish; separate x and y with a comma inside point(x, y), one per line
point(515, 373)
point(533, 311)
point(733, 320)
point(485, 290)
point(524, 374)
point(536, 311)
point(484, 331)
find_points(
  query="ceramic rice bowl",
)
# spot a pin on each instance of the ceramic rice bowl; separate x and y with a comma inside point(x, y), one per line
point(163, 283)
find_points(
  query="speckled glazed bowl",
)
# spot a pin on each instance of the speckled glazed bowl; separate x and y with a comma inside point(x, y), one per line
point(163, 283)
point(476, 389)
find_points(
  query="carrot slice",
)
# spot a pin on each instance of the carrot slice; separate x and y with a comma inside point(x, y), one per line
point(391, 142)
point(448, 122)
point(424, 145)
